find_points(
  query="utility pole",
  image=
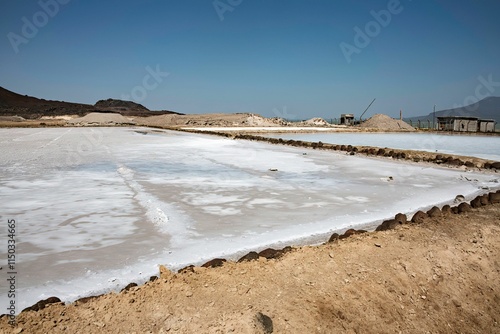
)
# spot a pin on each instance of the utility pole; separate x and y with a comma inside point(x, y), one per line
point(434, 119)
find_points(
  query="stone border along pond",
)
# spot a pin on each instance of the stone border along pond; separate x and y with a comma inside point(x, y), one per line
point(411, 155)
point(399, 219)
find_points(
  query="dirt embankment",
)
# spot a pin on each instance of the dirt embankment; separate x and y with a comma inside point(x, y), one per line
point(101, 119)
point(439, 275)
point(210, 120)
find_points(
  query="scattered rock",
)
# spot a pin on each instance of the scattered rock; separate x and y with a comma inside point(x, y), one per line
point(129, 286)
point(434, 212)
point(249, 257)
point(446, 210)
point(351, 232)
point(270, 253)
point(388, 225)
point(459, 199)
point(494, 198)
point(419, 217)
point(265, 322)
point(214, 263)
point(454, 162)
point(476, 202)
point(187, 269)
point(334, 237)
point(485, 199)
point(401, 218)
point(42, 304)
point(86, 299)
point(464, 207)
point(495, 165)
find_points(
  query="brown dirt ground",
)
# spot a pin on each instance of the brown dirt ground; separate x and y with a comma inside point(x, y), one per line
point(441, 276)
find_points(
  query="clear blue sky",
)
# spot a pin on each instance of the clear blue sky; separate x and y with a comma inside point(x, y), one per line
point(275, 58)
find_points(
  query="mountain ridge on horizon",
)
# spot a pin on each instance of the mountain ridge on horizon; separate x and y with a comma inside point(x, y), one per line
point(15, 104)
point(486, 108)
point(29, 107)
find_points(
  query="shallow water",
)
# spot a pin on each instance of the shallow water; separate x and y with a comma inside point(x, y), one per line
point(98, 208)
point(486, 147)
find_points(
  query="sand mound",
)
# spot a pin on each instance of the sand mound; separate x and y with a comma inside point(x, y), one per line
point(386, 123)
point(211, 120)
point(316, 122)
point(11, 119)
point(95, 118)
point(257, 120)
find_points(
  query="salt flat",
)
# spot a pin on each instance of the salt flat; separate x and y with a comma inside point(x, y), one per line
point(97, 208)
point(481, 146)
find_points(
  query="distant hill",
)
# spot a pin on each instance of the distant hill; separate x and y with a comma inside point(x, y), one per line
point(13, 104)
point(487, 108)
point(119, 105)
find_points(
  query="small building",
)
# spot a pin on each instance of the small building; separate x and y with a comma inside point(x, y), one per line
point(486, 125)
point(347, 119)
point(465, 124)
point(458, 123)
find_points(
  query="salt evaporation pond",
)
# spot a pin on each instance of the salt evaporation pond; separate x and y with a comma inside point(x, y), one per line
point(98, 208)
point(481, 146)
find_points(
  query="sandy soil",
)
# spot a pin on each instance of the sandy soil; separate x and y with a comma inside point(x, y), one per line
point(385, 123)
point(101, 119)
point(176, 121)
point(440, 276)
point(273, 129)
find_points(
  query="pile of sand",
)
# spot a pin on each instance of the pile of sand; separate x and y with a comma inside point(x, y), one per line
point(317, 121)
point(211, 120)
point(385, 123)
point(11, 119)
point(62, 117)
point(257, 120)
point(95, 118)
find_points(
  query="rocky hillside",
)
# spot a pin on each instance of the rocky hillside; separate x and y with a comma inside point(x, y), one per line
point(13, 104)
point(112, 104)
